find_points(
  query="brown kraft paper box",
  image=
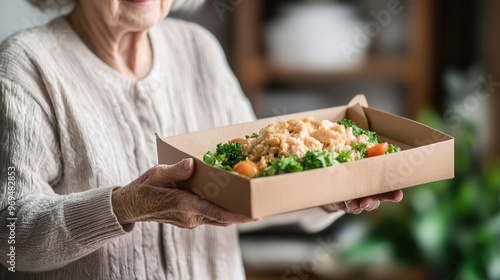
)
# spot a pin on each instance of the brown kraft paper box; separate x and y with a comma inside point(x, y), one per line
point(426, 155)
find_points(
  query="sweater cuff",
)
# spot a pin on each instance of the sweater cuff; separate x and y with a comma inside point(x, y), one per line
point(90, 218)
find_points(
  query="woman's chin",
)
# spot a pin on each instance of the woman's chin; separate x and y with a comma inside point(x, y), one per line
point(140, 26)
point(139, 3)
point(141, 21)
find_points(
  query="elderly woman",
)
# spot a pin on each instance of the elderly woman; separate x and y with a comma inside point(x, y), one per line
point(81, 99)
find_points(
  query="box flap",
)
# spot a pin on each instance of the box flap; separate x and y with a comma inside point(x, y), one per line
point(358, 99)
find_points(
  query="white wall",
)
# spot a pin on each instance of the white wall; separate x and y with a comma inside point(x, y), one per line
point(16, 15)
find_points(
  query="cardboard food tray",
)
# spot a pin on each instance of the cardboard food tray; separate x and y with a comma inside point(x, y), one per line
point(427, 155)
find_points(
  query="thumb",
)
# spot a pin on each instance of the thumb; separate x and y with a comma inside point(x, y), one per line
point(172, 173)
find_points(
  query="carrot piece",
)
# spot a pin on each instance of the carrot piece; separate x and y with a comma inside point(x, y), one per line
point(378, 150)
point(237, 140)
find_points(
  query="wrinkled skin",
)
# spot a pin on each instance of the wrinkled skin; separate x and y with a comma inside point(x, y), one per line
point(155, 197)
point(370, 203)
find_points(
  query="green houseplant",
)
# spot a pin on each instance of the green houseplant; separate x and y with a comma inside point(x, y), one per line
point(450, 228)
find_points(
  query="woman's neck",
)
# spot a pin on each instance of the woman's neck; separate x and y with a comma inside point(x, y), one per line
point(129, 52)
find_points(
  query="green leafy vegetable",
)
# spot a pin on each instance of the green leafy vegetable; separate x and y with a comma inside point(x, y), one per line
point(282, 166)
point(317, 159)
point(372, 136)
point(232, 151)
point(392, 149)
point(361, 148)
point(209, 158)
point(356, 131)
point(216, 161)
point(254, 135)
point(226, 156)
point(344, 156)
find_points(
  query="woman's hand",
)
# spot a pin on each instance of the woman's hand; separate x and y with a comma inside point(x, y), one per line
point(369, 203)
point(155, 197)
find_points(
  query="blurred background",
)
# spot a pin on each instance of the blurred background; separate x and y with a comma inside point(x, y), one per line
point(437, 62)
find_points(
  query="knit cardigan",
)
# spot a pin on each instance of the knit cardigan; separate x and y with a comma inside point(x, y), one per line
point(72, 129)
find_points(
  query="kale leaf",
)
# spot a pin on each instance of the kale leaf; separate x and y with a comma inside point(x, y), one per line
point(344, 156)
point(281, 166)
point(317, 159)
point(372, 136)
point(361, 148)
point(392, 149)
point(216, 161)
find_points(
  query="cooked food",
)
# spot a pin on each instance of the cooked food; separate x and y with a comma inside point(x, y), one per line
point(296, 145)
point(247, 168)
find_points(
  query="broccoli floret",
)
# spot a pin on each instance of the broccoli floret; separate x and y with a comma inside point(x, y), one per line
point(232, 151)
point(226, 156)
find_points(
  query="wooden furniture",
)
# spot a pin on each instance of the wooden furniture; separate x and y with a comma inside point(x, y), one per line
point(413, 69)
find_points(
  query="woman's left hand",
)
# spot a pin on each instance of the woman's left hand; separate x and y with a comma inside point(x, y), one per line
point(369, 203)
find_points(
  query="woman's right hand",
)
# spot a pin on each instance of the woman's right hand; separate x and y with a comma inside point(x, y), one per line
point(154, 196)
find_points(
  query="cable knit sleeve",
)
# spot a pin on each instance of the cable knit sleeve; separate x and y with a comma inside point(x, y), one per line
point(50, 230)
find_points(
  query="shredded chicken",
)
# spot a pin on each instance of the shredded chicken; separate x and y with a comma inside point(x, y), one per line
point(297, 137)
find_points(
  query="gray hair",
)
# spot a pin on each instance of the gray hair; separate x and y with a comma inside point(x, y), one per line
point(60, 4)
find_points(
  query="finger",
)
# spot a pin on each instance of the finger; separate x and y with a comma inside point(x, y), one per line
point(184, 220)
point(180, 171)
point(339, 206)
point(215, 223)
point(198, 206)
point(393, 196)
point(216, 213)
point(369, 203)
point(331, 207)
point(353, 206)
point(199, 220)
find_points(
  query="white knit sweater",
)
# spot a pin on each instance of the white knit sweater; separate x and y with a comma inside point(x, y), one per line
point(73, 128)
